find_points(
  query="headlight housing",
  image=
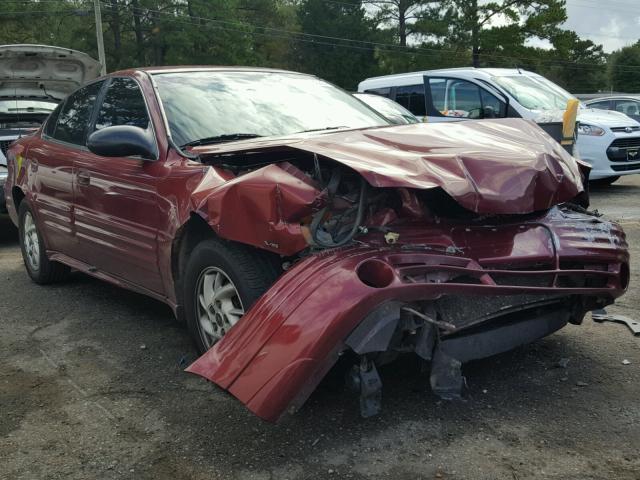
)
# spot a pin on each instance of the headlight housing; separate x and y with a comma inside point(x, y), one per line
point(591, 130)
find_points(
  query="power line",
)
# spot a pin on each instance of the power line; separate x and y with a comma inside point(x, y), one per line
point(599, 6)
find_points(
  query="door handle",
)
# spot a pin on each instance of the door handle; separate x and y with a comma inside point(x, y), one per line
point(84, 178)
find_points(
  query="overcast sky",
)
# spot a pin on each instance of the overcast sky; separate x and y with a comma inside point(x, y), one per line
point(612, 23)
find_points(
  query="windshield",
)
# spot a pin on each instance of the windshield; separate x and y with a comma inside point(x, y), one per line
point(535, 93)
point(26, 106)
point(202, 105)
point(391, 110)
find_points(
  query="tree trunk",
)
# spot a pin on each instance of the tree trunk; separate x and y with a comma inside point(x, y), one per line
point(475, 34)
point(402, 23)
point(137, 28)
point(156, 39)
point(117, 36)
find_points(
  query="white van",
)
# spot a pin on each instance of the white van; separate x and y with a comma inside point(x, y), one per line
point(608, 140)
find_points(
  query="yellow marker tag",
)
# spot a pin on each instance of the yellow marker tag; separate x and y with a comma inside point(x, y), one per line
point(19, 159)
point(569, 121)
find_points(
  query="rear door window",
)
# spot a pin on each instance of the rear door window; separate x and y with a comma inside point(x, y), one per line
point(604, 105)
point(75, 116)
point(123, 104)
point(411, 97)
point(50, 126)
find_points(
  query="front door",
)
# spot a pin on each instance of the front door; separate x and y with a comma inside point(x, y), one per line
point(51, 162)
point(451, 99)
point(116, 201)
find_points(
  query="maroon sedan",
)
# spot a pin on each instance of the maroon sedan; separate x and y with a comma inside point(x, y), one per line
point(289, 225)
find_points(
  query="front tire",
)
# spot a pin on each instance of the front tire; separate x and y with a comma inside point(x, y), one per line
point(39, 267)
point(222, 281)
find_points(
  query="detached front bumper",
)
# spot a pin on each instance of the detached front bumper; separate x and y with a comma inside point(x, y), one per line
point(494, 281)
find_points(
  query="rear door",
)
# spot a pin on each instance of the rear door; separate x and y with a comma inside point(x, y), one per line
point(116, 199)
point(51, 160)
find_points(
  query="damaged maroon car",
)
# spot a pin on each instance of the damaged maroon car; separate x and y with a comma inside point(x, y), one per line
point(289, 225)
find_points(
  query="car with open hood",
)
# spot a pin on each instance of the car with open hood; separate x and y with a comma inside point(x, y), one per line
point(33, 80)
point(608, 141)
point(289, 225)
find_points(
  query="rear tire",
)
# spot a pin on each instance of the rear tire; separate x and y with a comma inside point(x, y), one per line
point(222, 281)
point(39, 267)
point(605, 182)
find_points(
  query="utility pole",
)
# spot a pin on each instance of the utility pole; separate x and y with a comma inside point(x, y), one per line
point(100, 38)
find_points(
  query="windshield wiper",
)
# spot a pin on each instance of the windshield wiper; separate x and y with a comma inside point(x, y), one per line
point(220, 139)
point(323, 128)
point(29, 110)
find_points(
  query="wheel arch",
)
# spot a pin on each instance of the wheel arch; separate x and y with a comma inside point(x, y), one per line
point(17, 195)
point(193, 231)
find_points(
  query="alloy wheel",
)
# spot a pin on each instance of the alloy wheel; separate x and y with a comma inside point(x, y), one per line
point(218, 305)
point(31, 242)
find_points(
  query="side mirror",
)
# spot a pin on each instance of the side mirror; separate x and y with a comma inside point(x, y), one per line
point(123, 141)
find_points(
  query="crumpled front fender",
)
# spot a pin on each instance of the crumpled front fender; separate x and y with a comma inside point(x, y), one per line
point(274, 199)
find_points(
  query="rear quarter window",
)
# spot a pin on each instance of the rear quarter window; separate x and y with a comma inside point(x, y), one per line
point(50, 125)
point(411, 97)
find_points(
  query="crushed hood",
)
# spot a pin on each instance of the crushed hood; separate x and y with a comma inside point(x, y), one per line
point(26, 69)
point(506, 166)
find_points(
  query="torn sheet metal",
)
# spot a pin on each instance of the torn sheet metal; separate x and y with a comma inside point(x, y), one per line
point(274, 200)
point(504, 166)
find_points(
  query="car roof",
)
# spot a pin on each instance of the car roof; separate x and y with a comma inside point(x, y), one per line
point(613, 97)
point(484, 73)
point(200, 68)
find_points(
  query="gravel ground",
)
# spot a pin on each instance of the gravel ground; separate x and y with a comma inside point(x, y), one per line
point(91, 386)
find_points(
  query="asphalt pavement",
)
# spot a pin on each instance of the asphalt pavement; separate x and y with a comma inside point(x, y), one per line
point(92, 386)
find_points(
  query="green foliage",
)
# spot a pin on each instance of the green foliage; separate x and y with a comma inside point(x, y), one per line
point(344, 63)
point(491, 29)
point(343, 41)
point(625, 69)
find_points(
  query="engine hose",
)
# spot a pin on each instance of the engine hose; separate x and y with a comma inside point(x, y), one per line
point(315, 224)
